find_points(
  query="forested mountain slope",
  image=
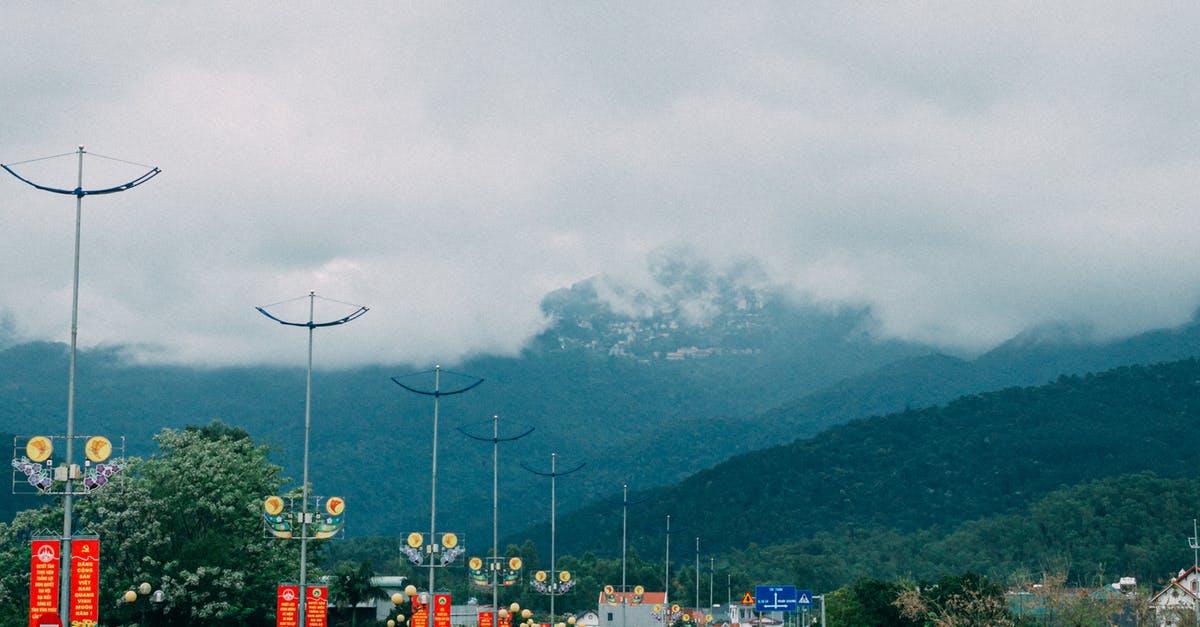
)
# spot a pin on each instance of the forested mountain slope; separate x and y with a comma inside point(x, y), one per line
point(980, 455)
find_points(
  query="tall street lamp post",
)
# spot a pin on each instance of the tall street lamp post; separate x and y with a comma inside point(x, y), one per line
point(71, 472)
point(556, 583)
point(305, 516)
point(496, 562)
point(449, 540)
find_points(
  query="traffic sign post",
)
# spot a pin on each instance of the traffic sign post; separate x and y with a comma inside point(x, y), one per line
point(777, 598)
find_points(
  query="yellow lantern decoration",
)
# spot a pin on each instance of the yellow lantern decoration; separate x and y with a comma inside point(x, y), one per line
point(564, 576)
point(411, 590)
point(639, 590)
point(514, 608)
point(526, 613)
point(415, 540)
point(449, 540)
point(335, 505)
point(130, 596)
point(540, 576)
point(272, 505)
point(397, 598)
point(97, 448)
point(475, 563)
point(515, 563)
point(39, 448)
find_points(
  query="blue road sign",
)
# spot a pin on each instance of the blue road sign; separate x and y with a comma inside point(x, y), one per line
point(804, 597)
point(776, 598)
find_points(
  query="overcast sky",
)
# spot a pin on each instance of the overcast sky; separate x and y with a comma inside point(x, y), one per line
point(967, 170)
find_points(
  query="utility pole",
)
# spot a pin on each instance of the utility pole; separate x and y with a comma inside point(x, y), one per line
point(70, 474)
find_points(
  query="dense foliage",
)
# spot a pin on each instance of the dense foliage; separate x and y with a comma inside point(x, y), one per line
point(188, 522)
point(978, 456)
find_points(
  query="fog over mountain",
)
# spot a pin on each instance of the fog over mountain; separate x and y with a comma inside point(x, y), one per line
point(962, 172)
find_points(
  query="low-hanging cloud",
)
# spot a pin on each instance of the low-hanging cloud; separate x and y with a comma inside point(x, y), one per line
point(965, 172)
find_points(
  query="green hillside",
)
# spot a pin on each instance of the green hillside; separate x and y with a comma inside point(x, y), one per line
point(981, 455)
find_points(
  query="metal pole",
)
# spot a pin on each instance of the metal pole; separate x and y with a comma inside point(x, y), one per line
point(437, 381)
point(711, 572)
point(304, 481)
point(667, 569)
point(69, 489)
point(64, 598)
point(496, 560)
point(624, 515)
point(304, 513)
point(495, 519)
point(553, 568)
point(697, 617)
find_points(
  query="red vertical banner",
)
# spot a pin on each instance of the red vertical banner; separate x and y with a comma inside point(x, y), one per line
point(287, 606)
point(420, 614)
point(85, 582)
point(505, 619)
point(43, 579)
point(317, 607)
point(441, 610)
point(486, 619)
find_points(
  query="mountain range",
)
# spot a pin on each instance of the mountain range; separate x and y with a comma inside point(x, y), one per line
point(644, 388)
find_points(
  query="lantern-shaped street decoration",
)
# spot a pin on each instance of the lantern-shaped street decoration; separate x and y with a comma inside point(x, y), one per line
point(544, 582)
point(42, 475)
point(509, 570)
point(283, 517)
point(416, 549)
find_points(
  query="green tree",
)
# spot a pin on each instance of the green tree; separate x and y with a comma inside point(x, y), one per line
point(15, 554)
point(351, 585)
point(189, 522)
point(967, 600)
point(868, 601)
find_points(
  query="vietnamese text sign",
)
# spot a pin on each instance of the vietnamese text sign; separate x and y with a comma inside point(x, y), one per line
point(316, 609)
point(43, 579)
point(287, 606)
point(441, 610)
point(85, 582)
point(486, 620)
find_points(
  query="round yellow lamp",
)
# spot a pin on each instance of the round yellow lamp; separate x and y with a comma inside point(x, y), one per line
point(398, 598)
point(144, 589)
point(526, 613)
point(130, 596)
point(39, 448)
point(449, 540)
point(514, 608)
point(411, 590)
point(97, 448)
point(272, 505)
point(415, 540)
point(514, 563)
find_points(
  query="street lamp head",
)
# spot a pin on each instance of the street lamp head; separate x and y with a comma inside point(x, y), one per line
point(410, 590)
point(144, 589)
point(398, 598)
point(130, 596)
